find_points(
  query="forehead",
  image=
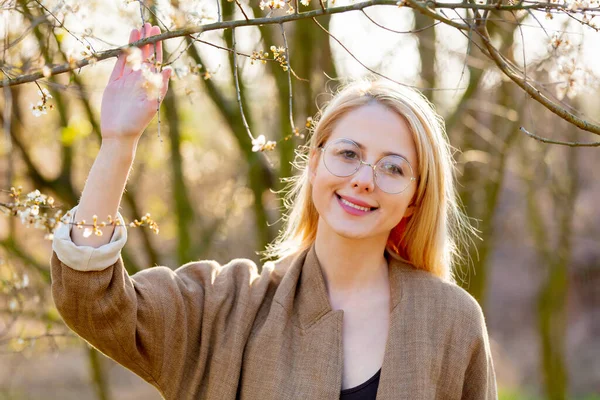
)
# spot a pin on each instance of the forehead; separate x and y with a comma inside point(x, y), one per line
point(378, 129)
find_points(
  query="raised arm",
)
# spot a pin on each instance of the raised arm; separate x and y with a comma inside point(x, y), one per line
point(127, 318)
point(126, 111)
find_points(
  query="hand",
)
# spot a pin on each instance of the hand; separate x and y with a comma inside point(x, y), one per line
point(129, 102)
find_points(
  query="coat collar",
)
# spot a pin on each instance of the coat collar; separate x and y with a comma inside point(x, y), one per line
point(305, 291)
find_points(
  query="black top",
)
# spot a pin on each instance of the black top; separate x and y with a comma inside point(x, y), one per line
point(364, 391)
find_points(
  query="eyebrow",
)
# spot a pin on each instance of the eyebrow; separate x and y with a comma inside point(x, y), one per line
point(384, 154)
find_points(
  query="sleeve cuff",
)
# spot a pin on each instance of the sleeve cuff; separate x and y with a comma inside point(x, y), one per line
point(87, 258)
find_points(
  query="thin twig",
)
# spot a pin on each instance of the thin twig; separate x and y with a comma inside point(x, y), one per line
point(142, 13)
point(425, 10)
point(276, 20)
point(242, 10)
point(550, 141)
point(7, 109)
point(165, 27)
point(237, 86)
point(512, 72)
point(62, 25)
point(400, 32)
point(289, 75)
point(370, 69)
point(322, 5)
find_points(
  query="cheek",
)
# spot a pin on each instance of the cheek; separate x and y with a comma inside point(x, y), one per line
point(397, 210)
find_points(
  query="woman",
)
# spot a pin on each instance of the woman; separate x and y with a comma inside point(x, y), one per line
point(363, 307)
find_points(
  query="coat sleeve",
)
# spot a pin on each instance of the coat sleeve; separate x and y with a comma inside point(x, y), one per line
point(480, 377)
point(149, 322)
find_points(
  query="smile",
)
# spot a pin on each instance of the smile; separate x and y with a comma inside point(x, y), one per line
point(352, 208)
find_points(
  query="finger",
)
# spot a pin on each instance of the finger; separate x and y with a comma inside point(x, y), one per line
point(117, 71)
point(133, 37)
point(146, 33)
point(157, 47)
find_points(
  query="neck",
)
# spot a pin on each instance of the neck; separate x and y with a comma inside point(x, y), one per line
point(350, 265)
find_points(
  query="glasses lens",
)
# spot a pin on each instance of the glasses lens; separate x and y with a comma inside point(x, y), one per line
point(393, 174)
point(342, 158)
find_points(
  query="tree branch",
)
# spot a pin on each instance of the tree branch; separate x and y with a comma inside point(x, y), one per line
point(550, 141)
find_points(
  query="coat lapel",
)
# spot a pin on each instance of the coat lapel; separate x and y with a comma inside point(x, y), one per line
point(297, 351)
point(407, 371)
point(394, 374)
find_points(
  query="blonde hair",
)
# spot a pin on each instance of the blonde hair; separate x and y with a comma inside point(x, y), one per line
point(433, 237)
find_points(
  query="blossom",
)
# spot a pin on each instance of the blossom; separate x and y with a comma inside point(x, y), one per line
point(46, 71)
point(42, 106)
point(261, 144)
point(153, 83)
point(571, 78)
point(134, 58)
point(272, 4)
point(44, 94)
point(258, 143)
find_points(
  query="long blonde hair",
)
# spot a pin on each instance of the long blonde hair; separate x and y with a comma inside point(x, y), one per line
point(431, 239)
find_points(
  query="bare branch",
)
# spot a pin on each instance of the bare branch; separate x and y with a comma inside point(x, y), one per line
point(400, 32)
point(289, 75)
point(550, 141)
point(237, 87)
point(62, 25)
point(511, 71)
point(425, 10)
point(365, 66)
point(103, 55)
point(241, 9)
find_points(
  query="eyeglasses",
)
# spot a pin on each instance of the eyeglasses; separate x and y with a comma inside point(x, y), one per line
point(393, 174)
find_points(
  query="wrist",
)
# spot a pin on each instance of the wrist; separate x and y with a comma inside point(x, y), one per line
point(120, 148)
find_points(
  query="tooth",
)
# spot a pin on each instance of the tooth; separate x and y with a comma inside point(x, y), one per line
point(355, 205)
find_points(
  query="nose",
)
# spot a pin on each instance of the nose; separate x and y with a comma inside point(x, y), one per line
point(364, 178)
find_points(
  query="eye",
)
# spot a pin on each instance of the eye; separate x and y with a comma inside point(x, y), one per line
point(391, 168)
point(347, 154)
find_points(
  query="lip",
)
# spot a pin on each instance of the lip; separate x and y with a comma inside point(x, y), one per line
point(356, 201)
point(351, 210)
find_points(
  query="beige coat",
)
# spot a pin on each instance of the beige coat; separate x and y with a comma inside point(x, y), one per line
point(207, 331)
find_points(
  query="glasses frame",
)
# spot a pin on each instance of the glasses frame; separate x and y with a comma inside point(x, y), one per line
point(362, 162)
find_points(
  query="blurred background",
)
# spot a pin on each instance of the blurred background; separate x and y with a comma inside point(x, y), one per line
point(535, 269)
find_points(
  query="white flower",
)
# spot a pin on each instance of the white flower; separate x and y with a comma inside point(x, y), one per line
point(25, 280)
point(134, 58)
point(87, 232)
point(38, 110)
point(46, 71)
point(258, 143)
point(35, 210)
point(12, 306)
point(34, 194)
point(182, 71)
point(272, 4)
point(305, 3)
point(569, 77)
point(153, 83)
point(24, 215)
point(44, 93)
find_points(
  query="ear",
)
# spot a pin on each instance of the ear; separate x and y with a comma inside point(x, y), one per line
point(410, 210)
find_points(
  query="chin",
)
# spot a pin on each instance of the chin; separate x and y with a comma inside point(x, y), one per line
point(352, 230)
